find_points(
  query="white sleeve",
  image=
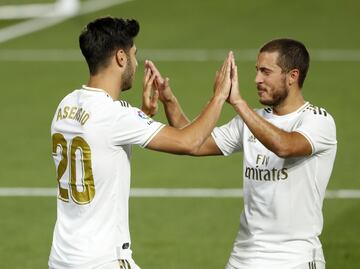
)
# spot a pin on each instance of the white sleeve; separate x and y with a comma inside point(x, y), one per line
point(229, 136)
point(134, 127)
point(319, 130)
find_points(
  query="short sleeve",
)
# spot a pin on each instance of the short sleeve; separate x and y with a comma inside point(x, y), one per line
point(229, 136)
point(133, 127)
point(319, 130)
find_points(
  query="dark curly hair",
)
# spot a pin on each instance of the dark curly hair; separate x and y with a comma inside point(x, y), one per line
point(101, 38)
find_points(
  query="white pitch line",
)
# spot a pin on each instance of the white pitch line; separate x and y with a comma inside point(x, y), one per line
point(36, 10)
point(28, 27)
point(33, 25)
point(47, 55)
point(27, 192)
point(169, 193)
point(95, 5)
point(169, 55)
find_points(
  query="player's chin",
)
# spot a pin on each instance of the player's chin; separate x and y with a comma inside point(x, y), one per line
point(266, 101)
point(262, 96)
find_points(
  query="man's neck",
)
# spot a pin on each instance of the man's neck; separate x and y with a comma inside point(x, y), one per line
point(107, 84)
point(290, 104)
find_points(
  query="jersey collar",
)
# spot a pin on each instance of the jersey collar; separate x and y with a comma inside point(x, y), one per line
point(300, 109)
point(93, 89)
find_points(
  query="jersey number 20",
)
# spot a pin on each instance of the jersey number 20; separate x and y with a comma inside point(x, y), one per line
point(80, 155)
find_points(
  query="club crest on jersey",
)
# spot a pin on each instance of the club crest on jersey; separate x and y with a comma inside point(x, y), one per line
point(252, 139)
point(143, 116)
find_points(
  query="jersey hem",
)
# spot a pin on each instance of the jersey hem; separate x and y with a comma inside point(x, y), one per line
point(234, 263)
point(61, 265)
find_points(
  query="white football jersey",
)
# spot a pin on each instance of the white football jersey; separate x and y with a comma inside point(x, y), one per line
point(282, 216)
point(92, 136)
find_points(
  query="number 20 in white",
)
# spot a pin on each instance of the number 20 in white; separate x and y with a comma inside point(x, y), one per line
point(77, 144)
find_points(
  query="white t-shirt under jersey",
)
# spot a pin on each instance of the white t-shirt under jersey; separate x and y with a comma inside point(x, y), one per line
point(282, 216)
point(92, 137)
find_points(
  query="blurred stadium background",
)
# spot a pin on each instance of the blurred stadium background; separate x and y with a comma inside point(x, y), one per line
point(40, 63)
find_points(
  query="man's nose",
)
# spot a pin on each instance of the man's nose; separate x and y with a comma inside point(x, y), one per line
point(258, 78)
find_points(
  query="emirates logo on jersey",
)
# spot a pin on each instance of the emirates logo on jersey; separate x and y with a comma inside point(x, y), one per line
point(263, 170)
point(273, 174)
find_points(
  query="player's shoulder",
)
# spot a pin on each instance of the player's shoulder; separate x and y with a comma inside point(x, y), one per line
point(124, 112)
point(122, 104)
point(315, 111)
point(71, 95)
point(308, 108)
point(308, 111)
point(125, 109)
point(122, 107)
point(316, 114)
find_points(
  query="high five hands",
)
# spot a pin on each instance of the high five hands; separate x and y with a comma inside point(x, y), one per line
point(226, 80)
point(155, 87)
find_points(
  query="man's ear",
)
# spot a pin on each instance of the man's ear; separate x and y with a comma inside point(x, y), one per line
point(121, 58)
point(294, 76)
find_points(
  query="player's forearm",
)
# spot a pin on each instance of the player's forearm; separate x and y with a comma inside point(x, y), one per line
point(268, 134)
point(174, 114)
point(196, 133)
point(189, 139)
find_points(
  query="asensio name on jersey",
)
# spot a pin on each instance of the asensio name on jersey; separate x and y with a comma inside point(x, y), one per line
point(74, 113)
point(92, 136)
point(283, 198)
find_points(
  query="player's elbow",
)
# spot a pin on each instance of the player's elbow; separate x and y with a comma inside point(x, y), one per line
point(281, 153)
point(284, 151)
point(192, 146)
point(195, 151)
point(296, 146)
point(176, 141)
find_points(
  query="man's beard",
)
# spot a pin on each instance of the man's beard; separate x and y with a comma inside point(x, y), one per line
point(276, 100)
point(277, 97)
point(127, 77)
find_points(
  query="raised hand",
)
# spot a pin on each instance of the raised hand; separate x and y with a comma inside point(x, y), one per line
point(161, 84)
point(150, 93)
point(234, 96)
point(222, 84)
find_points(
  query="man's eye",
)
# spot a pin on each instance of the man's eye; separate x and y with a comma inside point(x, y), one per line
point(265, 72)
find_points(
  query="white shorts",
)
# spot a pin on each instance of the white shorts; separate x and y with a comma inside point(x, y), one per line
point(120, 264)
point(311, 265)
point(308, 265)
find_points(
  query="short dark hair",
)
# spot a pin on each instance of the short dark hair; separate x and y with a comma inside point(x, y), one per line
point(101, 38)
point(292, 55)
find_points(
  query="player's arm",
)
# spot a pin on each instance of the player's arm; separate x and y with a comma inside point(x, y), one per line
point(193, 138)
point(173, 111)
point(282, 143)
